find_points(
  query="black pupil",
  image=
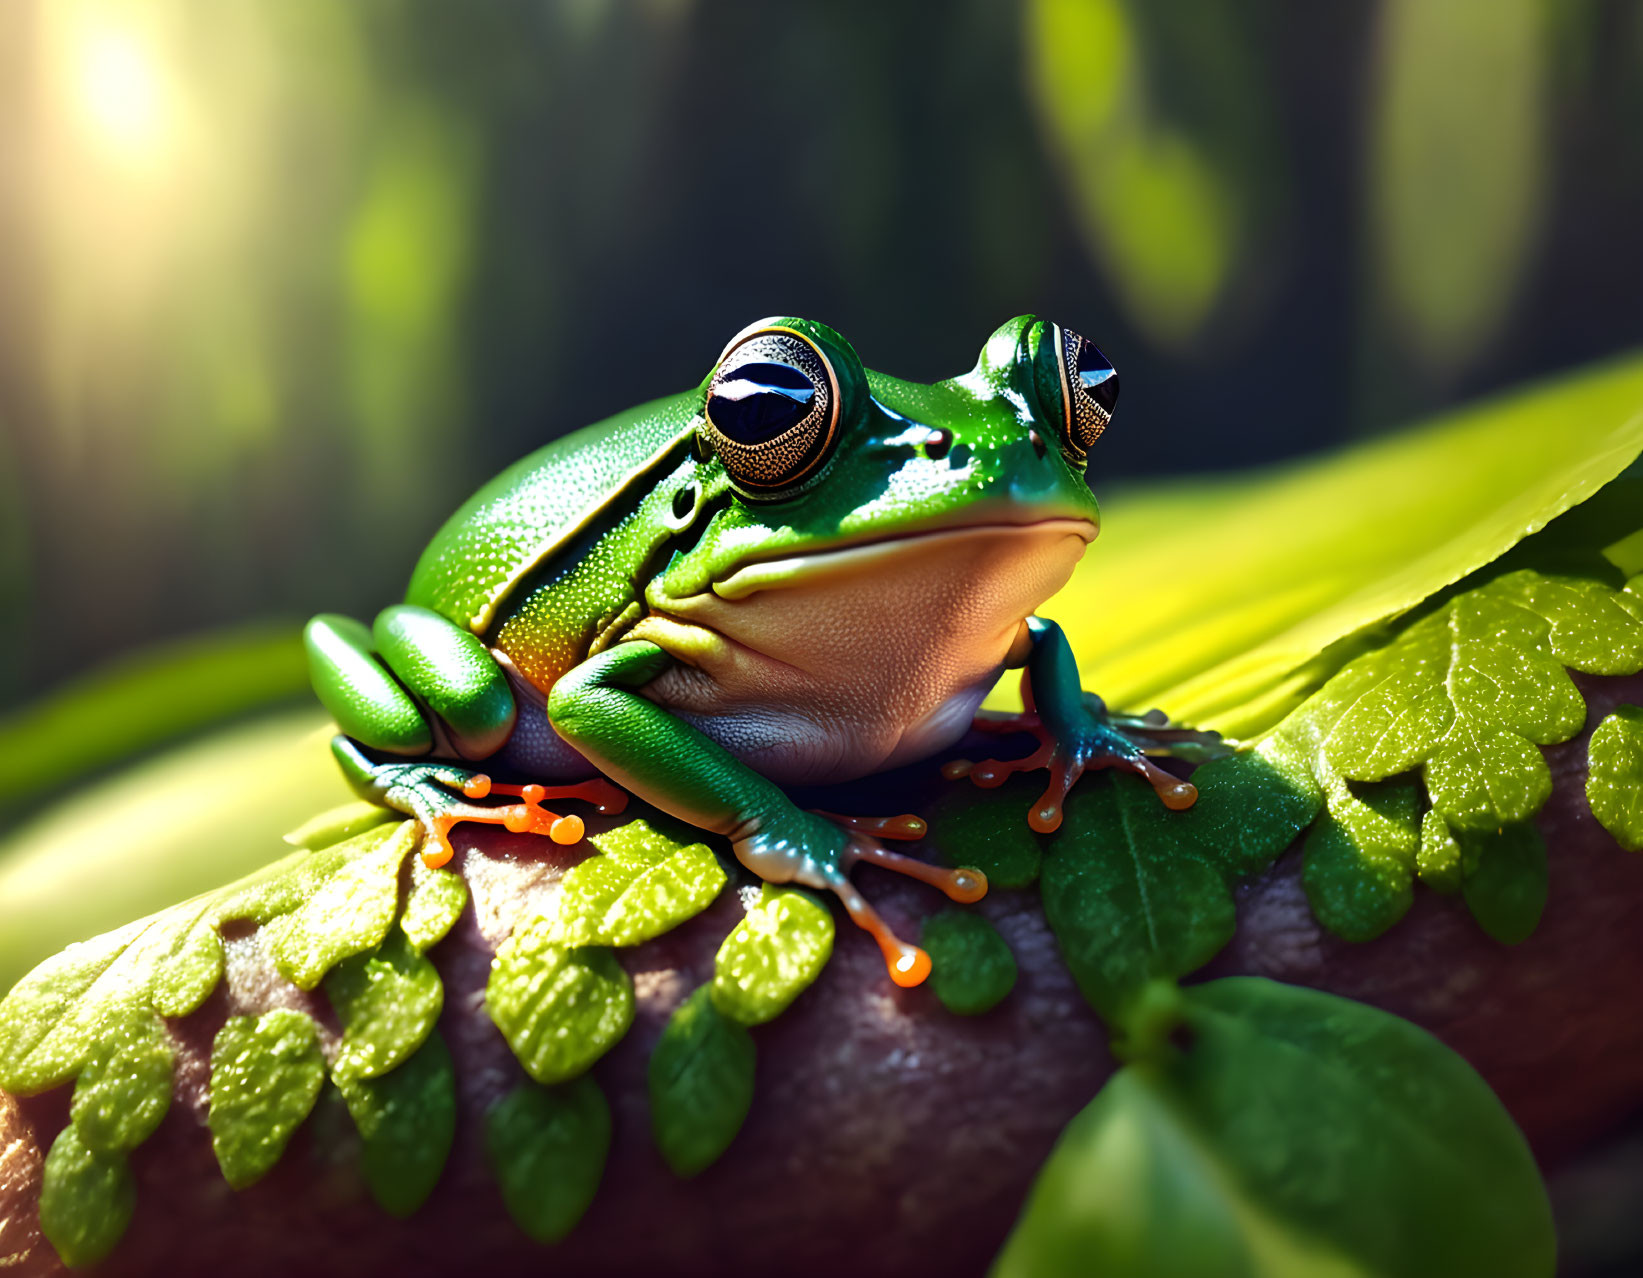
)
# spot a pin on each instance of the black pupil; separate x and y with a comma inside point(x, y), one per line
point(757, 402)
point(1097, 375)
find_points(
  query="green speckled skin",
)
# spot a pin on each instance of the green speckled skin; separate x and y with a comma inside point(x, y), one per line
point(535, 506)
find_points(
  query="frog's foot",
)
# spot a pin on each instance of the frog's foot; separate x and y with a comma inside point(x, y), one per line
point(907, 963)
point(425, 791)
point(1094, 738)
point(528, 816)
point(906, 826)
point(780, 859)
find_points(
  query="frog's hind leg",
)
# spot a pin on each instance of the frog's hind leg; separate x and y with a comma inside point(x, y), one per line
point(424, 790)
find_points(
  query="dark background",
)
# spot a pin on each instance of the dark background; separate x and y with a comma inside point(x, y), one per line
point(281, 283)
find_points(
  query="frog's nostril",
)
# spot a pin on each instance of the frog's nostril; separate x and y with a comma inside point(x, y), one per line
point(1038, 442)
point(937, 443)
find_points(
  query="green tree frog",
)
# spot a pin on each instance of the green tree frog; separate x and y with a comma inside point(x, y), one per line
point(799, 572)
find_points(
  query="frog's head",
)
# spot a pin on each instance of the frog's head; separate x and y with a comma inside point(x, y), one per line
point(808, 451)
point(822, 475)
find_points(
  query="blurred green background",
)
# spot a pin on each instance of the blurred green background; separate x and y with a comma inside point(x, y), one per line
point(280, 283)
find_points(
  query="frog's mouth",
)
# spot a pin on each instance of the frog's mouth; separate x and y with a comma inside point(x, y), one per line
point(862, 558)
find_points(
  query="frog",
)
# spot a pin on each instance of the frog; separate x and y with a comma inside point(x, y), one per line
point(797, 573)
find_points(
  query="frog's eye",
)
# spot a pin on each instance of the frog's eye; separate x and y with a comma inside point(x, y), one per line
point(772, 410)
point(1089, 391)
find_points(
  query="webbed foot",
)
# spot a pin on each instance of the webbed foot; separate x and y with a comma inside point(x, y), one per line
point(424, 790)
point(1084, 736)
point(822, 856)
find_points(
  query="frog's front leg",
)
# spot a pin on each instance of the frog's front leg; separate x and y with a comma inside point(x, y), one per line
point(414, 684)
point(1076, 732)
point(598, 709)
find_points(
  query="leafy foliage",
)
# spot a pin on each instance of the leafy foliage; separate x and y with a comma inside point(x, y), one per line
point(124, 1090)
point(86, 1199)
point(772, 955)
point(1614, 783)
point(435, 902)
point(1466, 695)
point(972, 969)
point(985, 830)
point(547, 1148)
point(560, 1009)
point(701, 1084)
point(348, 912)
point(1161, 616)
point(388, 1002)
point(1295, 1134)
point(266, 1073)
point(406, 1121)
point(645, 885)
point(1133, 891)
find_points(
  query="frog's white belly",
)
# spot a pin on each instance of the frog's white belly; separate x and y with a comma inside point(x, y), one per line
point(850, 662)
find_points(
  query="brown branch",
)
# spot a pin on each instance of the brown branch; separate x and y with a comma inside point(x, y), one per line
point(887, 1136)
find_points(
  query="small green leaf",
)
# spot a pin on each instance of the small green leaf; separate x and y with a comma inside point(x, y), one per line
point(701, 1084)
point(125, 1088)
point(772, 955)
point(988, 830)
point(1614, 779)
point(1360, 859)
point(1251, 806)
point(406, 1121)
point(47, 1019)
point(266, 1072)
point(86, 1200)
point(1468, 693)
point(350, 912)
point(1438, 861)
point(387, 1002)
point(560, 1009)
point(1506, 891)
point(546, 1148)
point(1126, 896)
point(436, 900)
point(1297, 1134)
point(187, 973)
point(972, 968)
point(625, 897)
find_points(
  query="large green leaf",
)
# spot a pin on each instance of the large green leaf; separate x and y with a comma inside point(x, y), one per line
point(1294, 1133)
point(144, 699)
point(174, 826)
point(1216, 598)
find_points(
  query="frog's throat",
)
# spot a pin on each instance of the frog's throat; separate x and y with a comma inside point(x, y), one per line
point(863, 558)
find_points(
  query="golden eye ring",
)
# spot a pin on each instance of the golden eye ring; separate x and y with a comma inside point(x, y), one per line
point(1089, 391)
point(772, 410)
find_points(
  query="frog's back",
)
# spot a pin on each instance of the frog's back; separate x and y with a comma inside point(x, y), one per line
point(517, 520)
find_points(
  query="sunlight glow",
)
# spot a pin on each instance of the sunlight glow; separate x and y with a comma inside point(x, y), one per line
point(121, 92)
